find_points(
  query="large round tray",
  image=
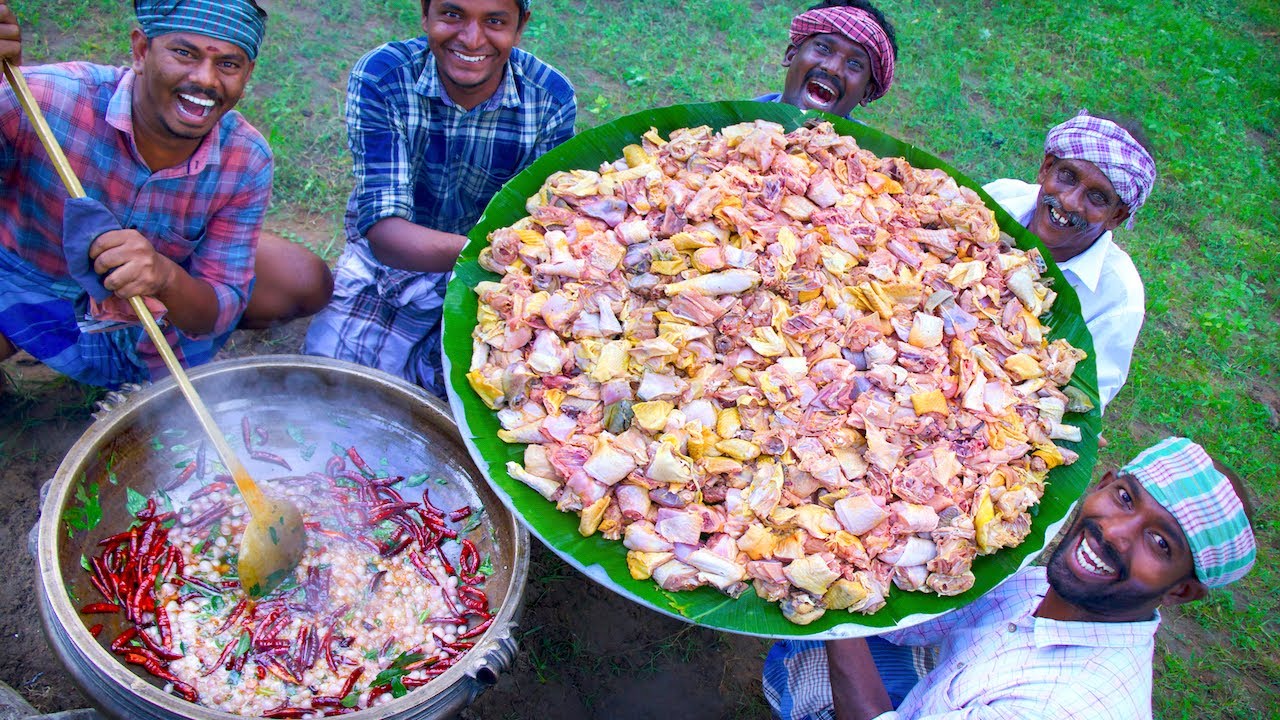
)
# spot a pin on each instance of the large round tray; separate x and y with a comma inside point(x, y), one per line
point(605, 561)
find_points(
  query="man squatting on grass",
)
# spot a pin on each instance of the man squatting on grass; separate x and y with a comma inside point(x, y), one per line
point(161, 153)
point(1069, 641)
point(1094, 176)
point(842, 55)
point(435, 125)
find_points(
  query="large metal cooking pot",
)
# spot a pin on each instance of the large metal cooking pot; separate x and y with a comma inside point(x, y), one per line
point(323, 401)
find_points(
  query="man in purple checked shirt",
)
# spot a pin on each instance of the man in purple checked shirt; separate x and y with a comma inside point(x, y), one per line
point(841, 56)
point(1070, 641)
point(177, 185)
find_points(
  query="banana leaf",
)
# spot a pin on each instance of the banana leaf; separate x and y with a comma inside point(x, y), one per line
point(605, 561)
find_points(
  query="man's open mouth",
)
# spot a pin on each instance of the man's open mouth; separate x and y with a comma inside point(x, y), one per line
point(820, 92)
point(1058, 218)
point(197, 108)
point(1089, 559)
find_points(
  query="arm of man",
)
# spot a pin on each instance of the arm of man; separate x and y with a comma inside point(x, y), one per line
point(377, 135)
point(856, 688)
point(132, 266)
point(209, 291)
point(1117, 333)
point(11, 52)
point(398, 243)
point(559, 128)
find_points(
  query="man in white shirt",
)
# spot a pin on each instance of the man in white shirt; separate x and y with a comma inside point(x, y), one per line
point(1070, 641)
point(1095, 175)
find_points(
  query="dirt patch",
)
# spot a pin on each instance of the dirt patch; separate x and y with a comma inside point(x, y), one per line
point(587, 653)
point(40, 418)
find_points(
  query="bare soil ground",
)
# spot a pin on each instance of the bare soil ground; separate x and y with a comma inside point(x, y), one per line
point(585, 651)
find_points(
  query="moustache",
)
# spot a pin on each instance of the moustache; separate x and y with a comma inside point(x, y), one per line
point(1104, 548)
point(1075, 220)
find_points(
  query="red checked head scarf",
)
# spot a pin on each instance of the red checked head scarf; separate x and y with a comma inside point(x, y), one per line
point(857, 25)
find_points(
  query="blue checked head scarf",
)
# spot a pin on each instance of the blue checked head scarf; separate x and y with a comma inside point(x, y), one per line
point(1180, 476)
point(240, 22)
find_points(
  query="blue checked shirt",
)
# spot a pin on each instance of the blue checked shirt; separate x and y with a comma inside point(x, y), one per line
point(420, 157)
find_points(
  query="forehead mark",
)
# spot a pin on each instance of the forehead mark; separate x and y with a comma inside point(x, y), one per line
point(230, 52)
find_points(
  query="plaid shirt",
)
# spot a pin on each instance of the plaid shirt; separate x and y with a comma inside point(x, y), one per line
point(204, 215)
point(997, 660)
point(420, 157)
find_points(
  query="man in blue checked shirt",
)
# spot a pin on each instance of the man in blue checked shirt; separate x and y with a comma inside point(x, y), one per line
point(436, 125)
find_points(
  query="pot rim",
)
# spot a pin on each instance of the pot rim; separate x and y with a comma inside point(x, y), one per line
point(62, 486)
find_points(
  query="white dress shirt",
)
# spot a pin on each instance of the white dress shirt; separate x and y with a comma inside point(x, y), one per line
point(1111, 295)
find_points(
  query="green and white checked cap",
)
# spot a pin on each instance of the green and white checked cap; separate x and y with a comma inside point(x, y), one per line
point(240, 22)
point(1180, 476)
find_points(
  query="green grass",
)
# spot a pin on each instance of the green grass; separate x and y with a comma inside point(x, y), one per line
point(979, 84)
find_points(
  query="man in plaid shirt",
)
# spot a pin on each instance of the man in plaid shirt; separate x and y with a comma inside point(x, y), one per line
point(1072, 640)
point(177, 186)
point(435, 125)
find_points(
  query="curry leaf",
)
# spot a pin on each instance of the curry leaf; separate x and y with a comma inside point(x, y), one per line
point(134, 501)
point(89, 513)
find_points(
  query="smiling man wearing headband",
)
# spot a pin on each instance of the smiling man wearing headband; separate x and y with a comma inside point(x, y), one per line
point(177, 186)
point(1073, 640)
point(1094, 176)
point(842, 55)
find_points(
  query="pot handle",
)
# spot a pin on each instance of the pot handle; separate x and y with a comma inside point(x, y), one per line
point(114, 399)
point(495, 658)
point(33, 536)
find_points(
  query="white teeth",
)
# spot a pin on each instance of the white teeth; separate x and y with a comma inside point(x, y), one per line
point(468, 58)
point(202, 102)
point(1057, 217)
point(1090, 560)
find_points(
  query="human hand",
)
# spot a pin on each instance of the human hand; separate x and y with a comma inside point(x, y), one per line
point(10, 36)
point(130, 264)
point(1102, 442)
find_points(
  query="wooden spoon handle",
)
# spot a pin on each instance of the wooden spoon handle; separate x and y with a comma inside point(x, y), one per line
point(252, 495)
point(248, 488)
point(43, 131)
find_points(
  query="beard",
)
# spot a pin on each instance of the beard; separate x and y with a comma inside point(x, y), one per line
point(1112, 599)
